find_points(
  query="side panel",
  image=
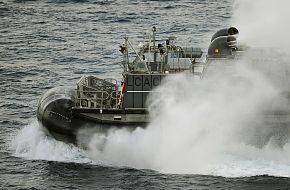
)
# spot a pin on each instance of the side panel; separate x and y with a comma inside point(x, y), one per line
point(138, 87)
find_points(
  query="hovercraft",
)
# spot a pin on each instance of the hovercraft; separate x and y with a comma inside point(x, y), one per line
point(107, 102)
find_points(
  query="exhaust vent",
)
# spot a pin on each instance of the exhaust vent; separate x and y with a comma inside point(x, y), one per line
point(223, 43)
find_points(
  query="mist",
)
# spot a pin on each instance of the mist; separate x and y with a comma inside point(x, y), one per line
point(196, 125)
point(263, 23)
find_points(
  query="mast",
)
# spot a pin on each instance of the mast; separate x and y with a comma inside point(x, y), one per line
point(126, 55)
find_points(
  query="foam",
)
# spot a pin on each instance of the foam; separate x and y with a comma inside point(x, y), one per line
point(32, 142)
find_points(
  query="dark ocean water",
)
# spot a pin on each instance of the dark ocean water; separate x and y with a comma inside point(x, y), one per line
point(47, 43)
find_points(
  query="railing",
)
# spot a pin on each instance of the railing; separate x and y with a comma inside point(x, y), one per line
point(198, 69)
point(93, 92)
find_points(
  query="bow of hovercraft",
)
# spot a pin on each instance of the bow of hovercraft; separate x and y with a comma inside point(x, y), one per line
point(54, 113)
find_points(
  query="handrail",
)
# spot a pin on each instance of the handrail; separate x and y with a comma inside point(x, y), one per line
point(93, 92)
point(96, 99)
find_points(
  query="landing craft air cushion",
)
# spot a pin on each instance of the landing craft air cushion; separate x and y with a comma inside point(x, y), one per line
point(107, 102)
